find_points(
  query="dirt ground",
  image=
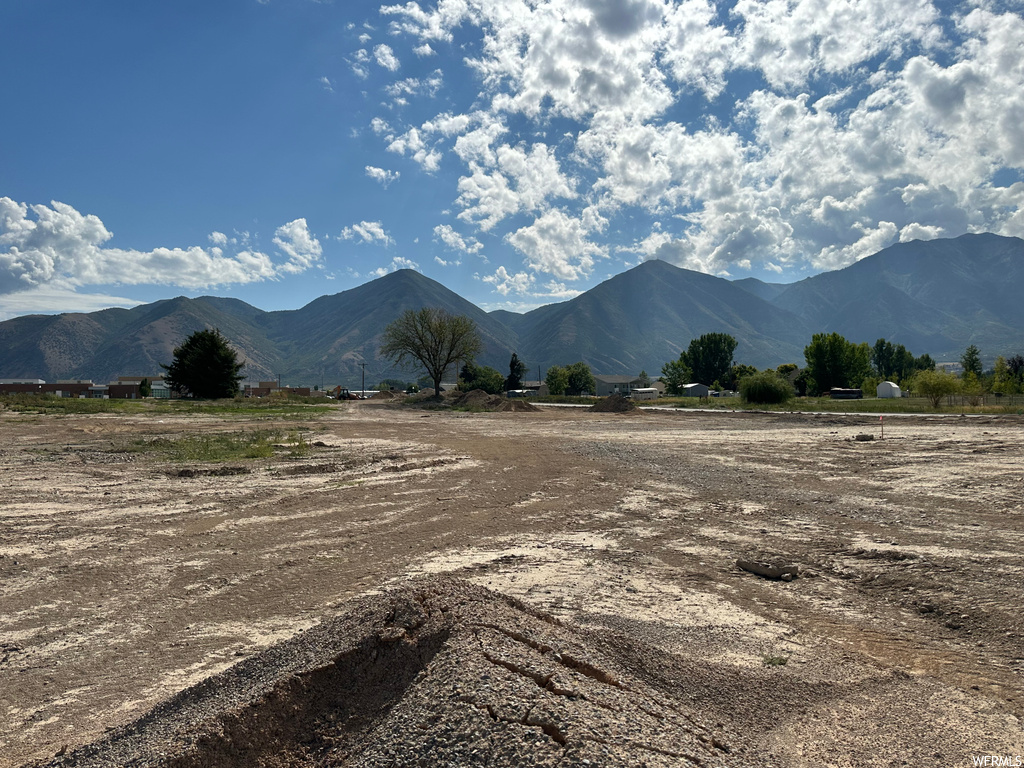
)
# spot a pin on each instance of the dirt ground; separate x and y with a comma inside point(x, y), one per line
point(124, 580)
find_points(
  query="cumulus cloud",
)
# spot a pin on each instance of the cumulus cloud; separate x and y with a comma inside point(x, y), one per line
point(57, 247)
point(385, 57)
point(786, 136)
point(557, 245)
point(447, 235)
point(396, 264)
point(504, 283)
point(384, 177)
point(367, 232)
point(294, 240)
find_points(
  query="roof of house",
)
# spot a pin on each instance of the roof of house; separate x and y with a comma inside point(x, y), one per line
point(615, 379)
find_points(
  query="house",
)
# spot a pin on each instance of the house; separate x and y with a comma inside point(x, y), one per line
point(536, 387)
point(888, 389)
point(623, 385)
point(696, 390)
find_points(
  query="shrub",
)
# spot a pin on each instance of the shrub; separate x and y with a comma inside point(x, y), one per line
point(765, 388)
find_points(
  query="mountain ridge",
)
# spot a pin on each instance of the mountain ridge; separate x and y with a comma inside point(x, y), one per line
point(933, 297)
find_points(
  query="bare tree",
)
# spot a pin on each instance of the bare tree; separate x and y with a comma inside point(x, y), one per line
point(432, 337)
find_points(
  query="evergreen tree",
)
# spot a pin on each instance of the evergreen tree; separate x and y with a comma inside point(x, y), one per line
point(516, 369)
point(204, 366)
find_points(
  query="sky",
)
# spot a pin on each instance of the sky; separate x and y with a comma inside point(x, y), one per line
point(517, 151)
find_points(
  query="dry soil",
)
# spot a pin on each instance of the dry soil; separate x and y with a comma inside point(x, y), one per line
point(125, 579)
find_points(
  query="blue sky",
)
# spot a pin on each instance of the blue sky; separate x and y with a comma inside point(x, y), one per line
point(517, 152)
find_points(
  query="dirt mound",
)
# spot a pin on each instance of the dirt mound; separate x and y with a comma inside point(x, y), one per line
point(518, 406)
point(476, 398)
point(615, 404)
point(387, 394)
point(437, 673)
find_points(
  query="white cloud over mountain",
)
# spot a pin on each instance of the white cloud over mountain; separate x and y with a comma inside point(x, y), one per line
point(787, 136)
point(59, 247)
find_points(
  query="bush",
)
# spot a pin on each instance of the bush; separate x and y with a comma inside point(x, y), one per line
point(765, 388)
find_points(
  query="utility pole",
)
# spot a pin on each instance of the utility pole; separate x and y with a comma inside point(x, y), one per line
point(363, 366)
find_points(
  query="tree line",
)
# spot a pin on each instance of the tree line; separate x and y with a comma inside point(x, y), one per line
point(205, 366)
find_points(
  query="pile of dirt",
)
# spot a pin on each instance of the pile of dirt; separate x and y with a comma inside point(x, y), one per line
point(387, 394)
point(615, 404)
point(518, 406)
point(476, 398)
point(439, 672)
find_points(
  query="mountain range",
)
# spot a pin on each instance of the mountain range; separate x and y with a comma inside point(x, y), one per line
point(934, 296)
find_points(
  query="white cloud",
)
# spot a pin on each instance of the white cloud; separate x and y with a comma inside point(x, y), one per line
point(447, 262)
point(504, 283)
point(447, 235)
point(423, 50)
point(384, 177)
point(411, 143)
point(50, 299)
point(557, 244)
point(327, 84)
point(396, 264)
point(56, 246)
point(218, 238)
point(367, 232)
point(869, 122)
point(301, 247)
point(386, 58)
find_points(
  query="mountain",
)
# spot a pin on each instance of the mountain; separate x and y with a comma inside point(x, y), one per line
point(332, 335)
point(641, 319)
point(937, 297)
point(761, 289)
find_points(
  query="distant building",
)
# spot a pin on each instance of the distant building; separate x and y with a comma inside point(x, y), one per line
point(696, 390)
point(622, 385)
point(888, 389)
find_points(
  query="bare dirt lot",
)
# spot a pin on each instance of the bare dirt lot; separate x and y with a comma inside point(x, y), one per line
point(124, 579)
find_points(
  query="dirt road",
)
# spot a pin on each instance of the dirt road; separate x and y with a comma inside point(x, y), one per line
point(124, 579)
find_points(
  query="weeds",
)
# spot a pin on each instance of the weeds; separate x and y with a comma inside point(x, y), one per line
point(774, 661)
point(259, 444)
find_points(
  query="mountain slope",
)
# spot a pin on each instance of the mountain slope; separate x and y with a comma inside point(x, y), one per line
point(643, 318)
point(334, 334)
point(934, 296)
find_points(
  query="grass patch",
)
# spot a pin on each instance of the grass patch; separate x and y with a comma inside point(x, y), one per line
point(292, 408)
point(774, 661)
point(258, 444)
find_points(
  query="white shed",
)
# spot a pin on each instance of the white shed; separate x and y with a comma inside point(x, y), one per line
point(888, 389)
point(696, 390)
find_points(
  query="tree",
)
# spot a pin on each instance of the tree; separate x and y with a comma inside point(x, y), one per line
point(581, 380)
point(765, 388)
point(643, 379)
point(1002, 381)
point(516, 369)
point(971, 361)
point(736, 373)
point(676, 374)
point(204, 366)
point(710, 357)
point(832, 361)
point(386, 385)
point(557, 379)
point(1015, 368)
point(432, 337)
point(145, 388)
point(481, 377)
point(935, 385)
